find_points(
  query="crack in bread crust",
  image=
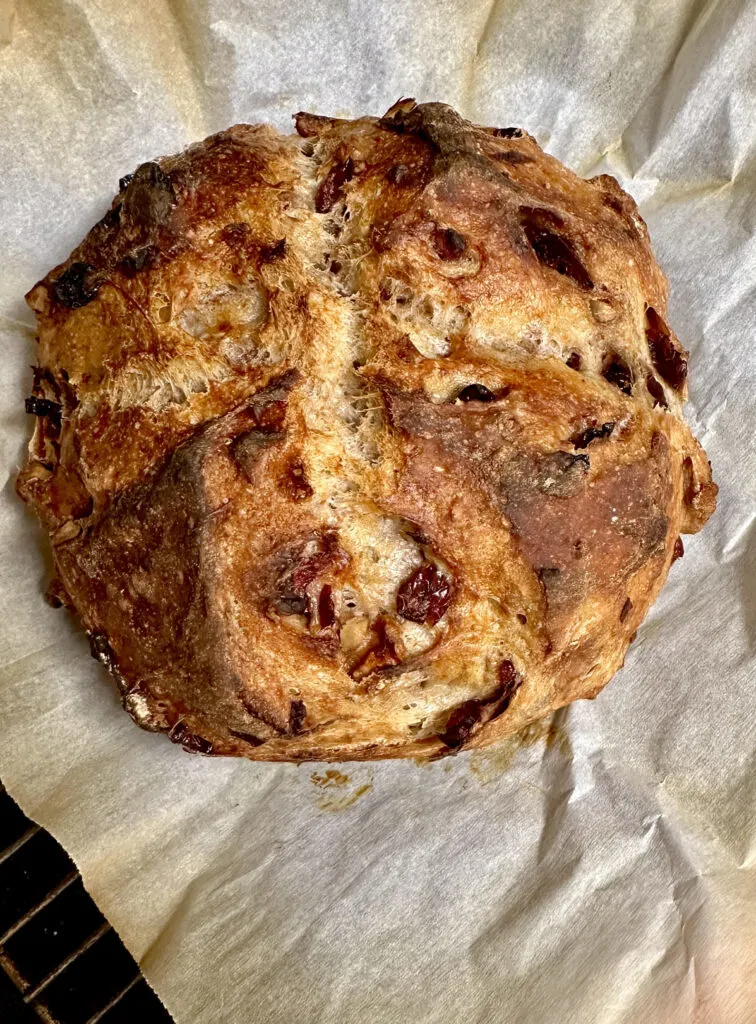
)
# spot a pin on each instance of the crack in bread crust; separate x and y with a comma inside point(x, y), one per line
point(364, 442)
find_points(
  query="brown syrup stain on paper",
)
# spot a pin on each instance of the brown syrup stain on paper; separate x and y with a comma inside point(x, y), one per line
point(493, 762)
point(336, 791)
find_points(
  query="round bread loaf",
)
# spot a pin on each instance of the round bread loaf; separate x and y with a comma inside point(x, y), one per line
point(363, 442)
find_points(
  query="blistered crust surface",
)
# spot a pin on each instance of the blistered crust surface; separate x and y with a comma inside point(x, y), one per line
point(362, 442)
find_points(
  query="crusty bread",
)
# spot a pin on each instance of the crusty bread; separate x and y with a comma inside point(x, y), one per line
point(363, 442)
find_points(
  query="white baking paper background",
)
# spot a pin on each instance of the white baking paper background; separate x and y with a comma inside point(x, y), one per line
point(601, 872)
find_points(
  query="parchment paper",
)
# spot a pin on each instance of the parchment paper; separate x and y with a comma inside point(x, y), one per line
point(599, 869)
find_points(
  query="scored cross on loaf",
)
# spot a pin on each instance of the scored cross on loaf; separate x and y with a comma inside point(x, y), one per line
point(362, 442)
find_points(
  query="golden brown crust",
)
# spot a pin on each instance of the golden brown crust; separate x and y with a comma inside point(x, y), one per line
point(361, 443)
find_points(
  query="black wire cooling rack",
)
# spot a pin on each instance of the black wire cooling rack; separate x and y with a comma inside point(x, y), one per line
point(62, 962)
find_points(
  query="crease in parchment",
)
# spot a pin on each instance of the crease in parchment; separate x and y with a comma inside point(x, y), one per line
point(79, 30)
point(656, 100)
point(682, 892)
point(651, 116)
point(10, 670)
point(473, 60)
point(186, 26)
point(185, 906)
point(557, 779)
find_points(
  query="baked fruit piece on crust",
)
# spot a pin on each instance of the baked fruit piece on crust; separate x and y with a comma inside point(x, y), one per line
point(362, 442)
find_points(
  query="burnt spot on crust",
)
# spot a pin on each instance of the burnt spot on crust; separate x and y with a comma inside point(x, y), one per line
point(508, 133)
point(544, 231)
point(112, 218)
point(123, 183)
point(297, 715)
point(331, 187)
point(678, 550)
point(656, 391)
point(616, 371)
point(42, 407)
point(77, 286)
point(448, 243)
point(50, 409)
point(593, 433)
point(669, 361)
point(425, 595)
point(627, 607)
point(562, 474)
point(194, 744)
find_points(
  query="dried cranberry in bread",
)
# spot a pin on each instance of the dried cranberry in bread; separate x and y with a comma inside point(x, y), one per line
point(363, 442)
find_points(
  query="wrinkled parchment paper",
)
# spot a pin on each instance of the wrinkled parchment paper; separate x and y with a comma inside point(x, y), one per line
point(599, 869)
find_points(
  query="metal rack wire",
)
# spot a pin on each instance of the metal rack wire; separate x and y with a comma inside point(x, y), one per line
point(62, 961)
